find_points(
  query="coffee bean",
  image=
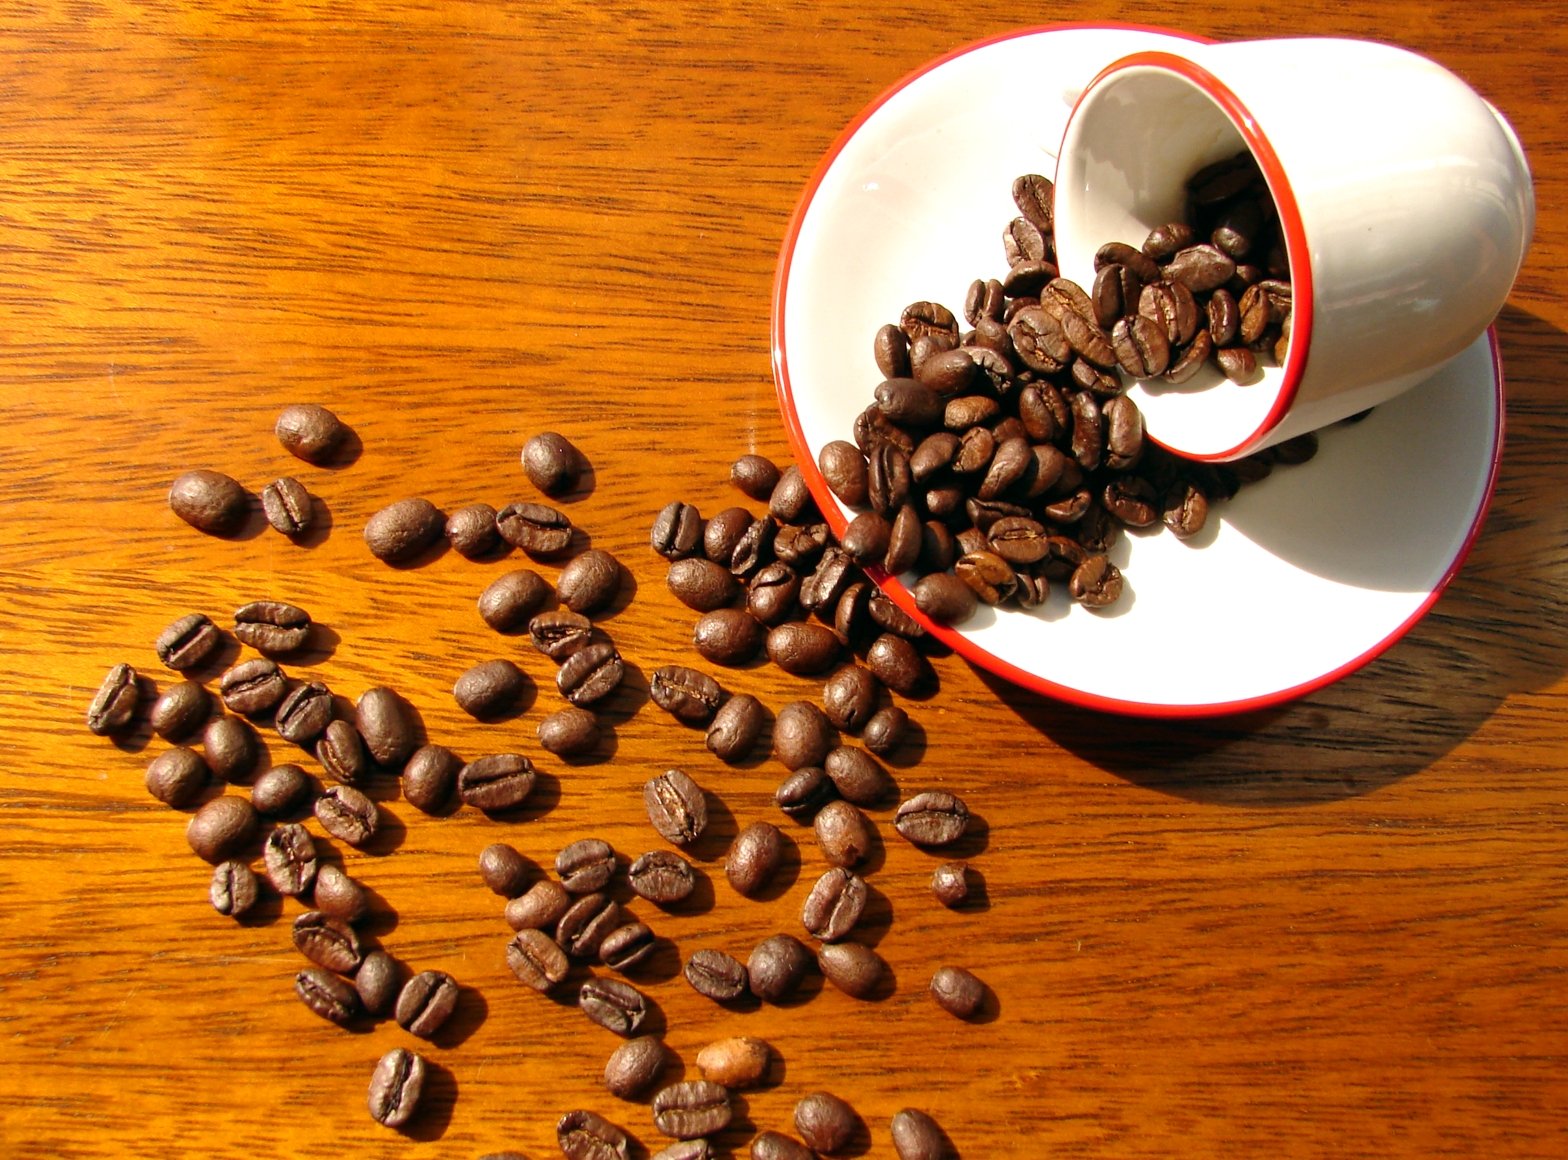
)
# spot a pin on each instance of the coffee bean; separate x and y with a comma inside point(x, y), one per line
point(251, 687)
point(890, 349)
point(551, 463)
point(756, 475)
point(957, 991)
point(497, 782)
point(327, 942)
point(590, 582)
point(844, 468)
point(662, 877)
point(209, 501)
point(894, 662)
point(802, 648)
point(377, 982)
point(685, 693)
point(736, 1063)
point(889, 617)
point(754, 549)
point(180, 711)
point(885, 730)
point(753, 858)
point(791, 501)
point(865, 540)
point(536, 959)
point(843, 834)
point(717, 976)
point(272, 627)
point(626, 946)
point(426, 1003)
point(588, 1136)
point(771, 1145)
point(635, 1066)
point(339, 896)
point(471, 531)
point(1095, 583)
point(691, 1109)
point(304, 713)
point(950, 883)
point(702, 584)
point(536, 528)
point(290, 857)
point(853, 968)
point(348, 815)
point(676, 807)
point(309, 431)
point(387, 726)
point(799, 546)
point(1022, 241)
point(804, 792)
point(541, 906)
point(1237, 362)
point(491, 689)
point(944, 598)
point(221, 828)
point(776, 967)
point(590, 674)
point(1191, 360)
point(825, 1122)
point(587, 920)
point(512, 599)
point(177, 776)
point(188, 642)
point(858, 776)
point(1034, 196)
point(834, 905)
point(916, 1136)
point(395, 1087)
point(677, 531)
point(332, 998)
point(341, 752)
point(401, 531)
point(613, 1005)
point(561, 634)
point(234, 889)
point(802, 735)
point(429, 777)
point(114, 704)
point(586, 865)
point(735, 728)
point(286, 504)
point(503, 869)
point(230, 746)
point(934, 818)
point(834, 572)
point(727, 636)
point(569, 732)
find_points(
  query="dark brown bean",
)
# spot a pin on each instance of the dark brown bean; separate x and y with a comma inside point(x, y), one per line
point(754, 858)
point(310, 432)
point(399, 532)
point(552, 463)
point(536, 528)
point(221, 828)
point(497, 782)
point(429, 777)
point(490, 689)
point(514, 598)
point(426, 1003)
point(209, 501)
point(590, 582)
point(736, 727)
point(843, 834)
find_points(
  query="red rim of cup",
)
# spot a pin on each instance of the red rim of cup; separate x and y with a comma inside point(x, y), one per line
point(954, 638)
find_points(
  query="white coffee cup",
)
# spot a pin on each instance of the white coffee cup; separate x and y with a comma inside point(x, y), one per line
point(1404, 198)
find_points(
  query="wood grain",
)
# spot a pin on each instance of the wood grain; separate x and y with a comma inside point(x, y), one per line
point(1337, 928)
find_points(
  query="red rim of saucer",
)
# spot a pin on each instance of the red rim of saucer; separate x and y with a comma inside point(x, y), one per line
point(954, 639)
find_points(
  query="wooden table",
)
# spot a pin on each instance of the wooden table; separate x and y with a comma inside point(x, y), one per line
point(1336, 928)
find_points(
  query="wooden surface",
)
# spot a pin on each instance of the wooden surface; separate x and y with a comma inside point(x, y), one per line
point(1337, 928)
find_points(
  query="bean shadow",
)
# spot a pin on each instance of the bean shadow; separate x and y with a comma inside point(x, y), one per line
point(319, 528)
point(466, 1018)
point(319, 646)
point(347, 452)
point(434, 1114)
point(876, 919)
point(911, 749)
point(624, 595)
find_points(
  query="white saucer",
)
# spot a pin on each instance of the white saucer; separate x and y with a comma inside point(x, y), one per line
point(1303, 578)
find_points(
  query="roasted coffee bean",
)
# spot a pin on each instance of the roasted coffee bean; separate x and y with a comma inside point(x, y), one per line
point(378, 983)
point(735, 728)
point(339, 896)
point(727, 636)
point(889, 617)
point(716, 975)
point(802, 735)
point(844, 468)
point(1120, 253)
point(1141, 347)
point(843, 834)
point(853, 968)
point(662, 877)
point(802, 648)
point(1224, 317)
point(429, 777)
point(503, 869)
point(1164, 241)
point(401, 531)
point(849, 697)
point(613, 1005)
point(386, 725)
point(586, 921)
point(957, 991)
point(551, 463)
point(540, 907)
point(888, 479)
point(177, 776)
point(590, 582)
point(926, 318)
point(1191, 360)
point(677, 531)
point(946, 373)
point(589, 1136)
point(834, 572)
point(497, 782)
point(935, 452)
point(1013, 459)
point(1131, 500)
point(286, 504)
point(221, 828)
point(1027, 277)
point(909, 402)
point(635, 1066)
point(756, 475)
point(426, 1003)
point(686, 694)
point(304, 713)
point(834, 905)
point(234, 889)
point(1170, 305)
point(691, 1109)
point(987, 575)
point(754, 858)
point(309, 431)
point(702, 584)
point(586, 865)
point(327, 995)
point(1095, 583)
point(1022, 241)
point(209, 501)
point(1185, 509)
point(791, 501)
point(626, 946)
point(825, 1122)
point(754, 549)
point(1034, 196)
point(723, 534)
point(290, 857)
point(858, 777)
point(347, 814)
point(188, 642)
point(950, 883)
point(904, 541)
point(1238, 364)
point(252, 687)
point(1018, 540)
point(114, 704)
point(798, 546)
point(944, 597)
point(536, 959)
point(851, 621)
point(561, 634)
point(491, 689)
point(865, 540)
point(890, 350)
point(569, 732)
point(341, 751)
point(230, 747)
point(771, 1145)
point(536, 528)
point(885, 730)
point(590, 674)
point(1123, 434)
point(676, 807)
point(804, 792)
point(181, 710)
point(1114, 294)
point(1200, 268)
point(933, 818)
point(471, 531)
point(916, 1136)
point(512, 599)
point(776, 967)
point(395, 1087)
point(894, 662)
point(327, 942)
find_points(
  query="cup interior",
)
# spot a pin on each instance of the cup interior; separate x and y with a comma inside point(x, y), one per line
point(1137, 134)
